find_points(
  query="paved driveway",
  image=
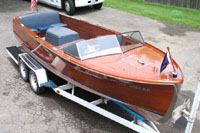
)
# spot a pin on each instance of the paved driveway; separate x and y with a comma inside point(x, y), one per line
point(21, 111)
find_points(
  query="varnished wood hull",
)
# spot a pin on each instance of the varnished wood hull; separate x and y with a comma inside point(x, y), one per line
point(154, 101)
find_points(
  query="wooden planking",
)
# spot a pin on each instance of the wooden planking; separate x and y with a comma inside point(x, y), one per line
point(24, 34)
point(182, 3)
point(157, 100)
point(86, 30)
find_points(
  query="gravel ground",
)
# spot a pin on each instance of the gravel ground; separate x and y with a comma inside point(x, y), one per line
point(21, 111)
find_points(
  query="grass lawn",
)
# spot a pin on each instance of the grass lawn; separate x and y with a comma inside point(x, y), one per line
point(178, 15)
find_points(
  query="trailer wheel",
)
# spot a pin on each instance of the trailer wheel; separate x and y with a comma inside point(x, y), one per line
point(98, 6)
point(24, 71)
point(69, 7)
point(34, 83)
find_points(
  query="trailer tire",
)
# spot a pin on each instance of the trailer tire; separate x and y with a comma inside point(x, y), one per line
point(69, 7)
point(34, 83)
point(98, 6)
point(24, 71)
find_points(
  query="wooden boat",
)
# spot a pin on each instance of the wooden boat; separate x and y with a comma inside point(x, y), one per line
point(119, 67)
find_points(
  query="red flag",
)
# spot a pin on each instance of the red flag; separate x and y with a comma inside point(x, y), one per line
point(34, 4)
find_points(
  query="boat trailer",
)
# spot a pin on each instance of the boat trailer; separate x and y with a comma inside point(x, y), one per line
point(138, 124)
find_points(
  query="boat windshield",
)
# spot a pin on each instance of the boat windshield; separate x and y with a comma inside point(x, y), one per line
point(104, 45)
point(130, 40)
point(100, 46)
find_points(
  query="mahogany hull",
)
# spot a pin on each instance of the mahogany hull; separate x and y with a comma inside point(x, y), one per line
point(154, 101)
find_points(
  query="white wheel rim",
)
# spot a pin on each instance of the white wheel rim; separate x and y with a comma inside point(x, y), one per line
point(67, 6)
point(33, 82)
point(22, 70)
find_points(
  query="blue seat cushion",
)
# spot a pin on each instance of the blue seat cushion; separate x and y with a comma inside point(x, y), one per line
point(60, 35)
point(58, 25)
point(35, 20)
point(41, 28)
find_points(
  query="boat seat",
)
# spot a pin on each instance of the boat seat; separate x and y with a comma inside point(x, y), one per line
point(41, 21)
point(60, 35)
